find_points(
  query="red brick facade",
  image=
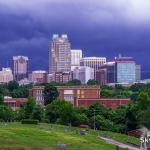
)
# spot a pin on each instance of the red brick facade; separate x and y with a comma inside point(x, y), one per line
point(72, 93)
point(14, 103)
point(109, 102)
point(79, 96)
point(37, 93)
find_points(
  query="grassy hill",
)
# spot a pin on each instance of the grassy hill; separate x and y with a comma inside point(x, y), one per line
point(15, 136)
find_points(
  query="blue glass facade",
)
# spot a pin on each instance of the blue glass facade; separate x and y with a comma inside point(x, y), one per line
point(125, 72)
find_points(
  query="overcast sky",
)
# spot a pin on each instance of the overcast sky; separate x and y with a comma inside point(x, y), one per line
point(99, 27)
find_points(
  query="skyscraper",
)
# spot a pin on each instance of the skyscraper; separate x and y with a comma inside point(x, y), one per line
point(60, 54)
point(20, 67)
point(76, 56)
point(93, 62)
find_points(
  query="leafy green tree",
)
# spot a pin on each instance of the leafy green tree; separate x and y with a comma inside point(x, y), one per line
point(3, 90)
point(134, 96)
point(143, 101)
point(82, 119)
point(50, 94)
point(53, 84)
point(144, 118)
point(92, 82)
point(6, 113)
point(80, 110)
point(21, 92)
point(38, 113)
point(97, 109)
point(101, 123)
point(74, 82)
point(120, 128)
point(29, 107)
point(1, 100)
point(106, 87)
point(61, 112)
point(118, 116)
point(131, 116)
point(119, 87)
point(138, 87)
point(20, 114)
point(12, 85)
point(105, 93)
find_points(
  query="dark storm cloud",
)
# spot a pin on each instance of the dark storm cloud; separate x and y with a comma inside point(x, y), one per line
point(100, 28)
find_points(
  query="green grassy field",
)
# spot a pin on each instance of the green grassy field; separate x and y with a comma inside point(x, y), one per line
point(41, 137)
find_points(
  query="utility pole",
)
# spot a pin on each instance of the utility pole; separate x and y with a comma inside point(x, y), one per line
point(94, 120)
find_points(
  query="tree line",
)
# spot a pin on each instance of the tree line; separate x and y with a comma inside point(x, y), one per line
point(125, 118)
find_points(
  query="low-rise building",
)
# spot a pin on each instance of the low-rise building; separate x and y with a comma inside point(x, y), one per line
point(107, 102)
point(15, 103)
point(37, 93)
point(73, 93)
point(79, 96)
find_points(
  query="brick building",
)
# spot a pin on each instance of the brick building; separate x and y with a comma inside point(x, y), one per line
point(63, 77)
point(37, 93)
point(107, 102)
point(79, 96)
point(73, 93)
point(14, 103)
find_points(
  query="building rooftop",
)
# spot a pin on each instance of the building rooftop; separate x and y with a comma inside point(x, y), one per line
point(19, 57)
point(94, 58)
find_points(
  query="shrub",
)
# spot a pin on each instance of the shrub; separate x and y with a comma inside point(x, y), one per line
point(45, 121)
point(29, 121)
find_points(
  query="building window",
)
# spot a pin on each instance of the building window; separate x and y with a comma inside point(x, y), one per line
point(78, 91)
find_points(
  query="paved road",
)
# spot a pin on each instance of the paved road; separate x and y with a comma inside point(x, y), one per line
point(111, 141)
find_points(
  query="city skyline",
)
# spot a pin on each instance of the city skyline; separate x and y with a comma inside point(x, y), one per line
point(102, 29)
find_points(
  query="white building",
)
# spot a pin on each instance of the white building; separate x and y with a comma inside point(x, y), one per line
point(83, 74)
point(93, 62)
point(76, 56)
point(6, 75)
